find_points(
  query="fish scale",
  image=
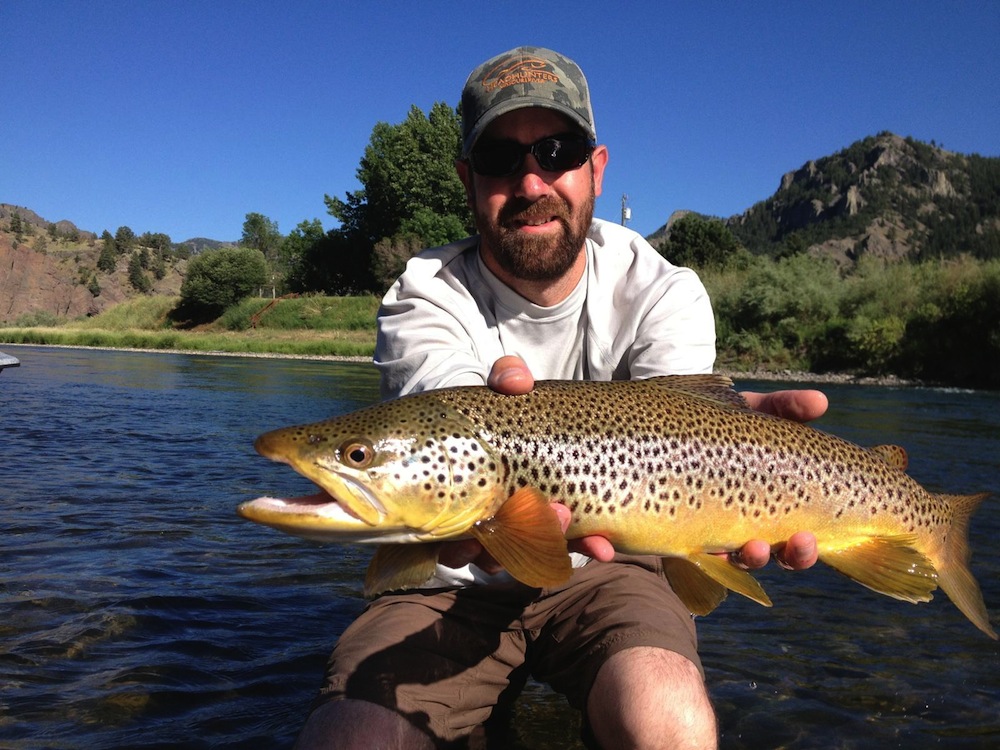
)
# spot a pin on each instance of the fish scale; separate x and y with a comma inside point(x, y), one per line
point(675, 466)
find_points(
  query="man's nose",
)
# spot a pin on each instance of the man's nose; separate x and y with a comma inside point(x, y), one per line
point(532, 180)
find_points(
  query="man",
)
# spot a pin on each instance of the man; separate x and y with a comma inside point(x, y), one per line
point(544, 291)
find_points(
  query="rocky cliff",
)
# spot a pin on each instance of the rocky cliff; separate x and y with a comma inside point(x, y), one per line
point(886, 196)
point(50, 274)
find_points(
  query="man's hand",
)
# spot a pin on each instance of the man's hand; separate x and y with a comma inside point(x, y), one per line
point(510, 375)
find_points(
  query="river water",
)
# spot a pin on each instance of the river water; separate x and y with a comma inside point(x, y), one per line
point(138, 611)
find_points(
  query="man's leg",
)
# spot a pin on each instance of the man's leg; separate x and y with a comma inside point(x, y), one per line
point(622, 647)
point(359, 725)
point(420, 669)
point(651, 698)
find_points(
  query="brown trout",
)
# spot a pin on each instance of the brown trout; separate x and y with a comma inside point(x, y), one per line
point(675, 466)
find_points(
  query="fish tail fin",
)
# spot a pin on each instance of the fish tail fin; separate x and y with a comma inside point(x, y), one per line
point(954, 576)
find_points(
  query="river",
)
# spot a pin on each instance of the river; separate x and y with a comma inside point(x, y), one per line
point(138, 611)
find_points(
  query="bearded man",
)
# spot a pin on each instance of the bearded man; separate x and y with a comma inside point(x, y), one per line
point(545, 290)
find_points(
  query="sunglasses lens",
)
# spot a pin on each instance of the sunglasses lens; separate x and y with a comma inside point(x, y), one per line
point(554, 154)
point(562, 154)
point(497, 159)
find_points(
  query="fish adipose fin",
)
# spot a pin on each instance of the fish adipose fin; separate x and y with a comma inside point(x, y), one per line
point(724, 573)
point(889, 565)
point(395, 567)
point(526, 539)
point(700, 593)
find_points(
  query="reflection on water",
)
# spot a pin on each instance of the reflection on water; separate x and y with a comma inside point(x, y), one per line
point(140, 611)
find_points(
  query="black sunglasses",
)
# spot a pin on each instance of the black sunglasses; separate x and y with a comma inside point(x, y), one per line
point(554, 153)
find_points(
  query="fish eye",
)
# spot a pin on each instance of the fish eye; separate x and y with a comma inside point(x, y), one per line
point(358, 454)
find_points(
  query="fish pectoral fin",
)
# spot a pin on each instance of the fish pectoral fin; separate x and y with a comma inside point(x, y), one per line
point(700, 592)
point(395, 567)
point(720, 570)
point(890, 565)
point(526, 539)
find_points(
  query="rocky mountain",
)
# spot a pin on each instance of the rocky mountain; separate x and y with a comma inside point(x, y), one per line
point(884, 195)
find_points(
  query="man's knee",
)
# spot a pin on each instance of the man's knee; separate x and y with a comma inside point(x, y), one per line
point(359, 725)
point(651, 698)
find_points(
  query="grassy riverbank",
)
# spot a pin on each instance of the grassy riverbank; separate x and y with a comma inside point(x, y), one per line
point(307, 327)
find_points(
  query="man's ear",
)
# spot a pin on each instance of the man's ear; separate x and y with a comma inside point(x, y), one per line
point(465, 175)
point(599, 160)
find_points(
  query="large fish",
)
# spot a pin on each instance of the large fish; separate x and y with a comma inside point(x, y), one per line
point(674, 466)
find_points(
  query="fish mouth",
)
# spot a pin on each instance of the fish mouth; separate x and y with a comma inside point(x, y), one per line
point(319, 516)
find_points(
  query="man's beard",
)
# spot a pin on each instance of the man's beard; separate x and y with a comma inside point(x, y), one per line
point(537, 257)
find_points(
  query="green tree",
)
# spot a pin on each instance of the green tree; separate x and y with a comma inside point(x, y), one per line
point(159, 265)
point(296, 251)
point(260, 233)
point(137, 276)
point(16, 224)
point(125, 240)
point(219, 278)
point(156, 241)
point(409, 186)
point(109, 253)
point(703, 244)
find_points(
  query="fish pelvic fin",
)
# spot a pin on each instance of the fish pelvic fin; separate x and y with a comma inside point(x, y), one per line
point(396, 567)
point(954, 576)
point(890, 565)
point(724, 573)
point(526, 539)
point(700, 593)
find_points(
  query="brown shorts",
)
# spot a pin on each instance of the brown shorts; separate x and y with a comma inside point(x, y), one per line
point(452, 660)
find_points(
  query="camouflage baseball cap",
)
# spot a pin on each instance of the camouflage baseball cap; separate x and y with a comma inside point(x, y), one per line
point(524, 77)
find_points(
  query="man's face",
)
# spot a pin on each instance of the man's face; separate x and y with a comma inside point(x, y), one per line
point(533, 223)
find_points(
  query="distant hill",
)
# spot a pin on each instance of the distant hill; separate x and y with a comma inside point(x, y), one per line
point(884, 195)
point(30, 219)
point(197, 245)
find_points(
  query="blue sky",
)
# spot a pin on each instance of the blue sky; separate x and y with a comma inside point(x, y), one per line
point(182, 116)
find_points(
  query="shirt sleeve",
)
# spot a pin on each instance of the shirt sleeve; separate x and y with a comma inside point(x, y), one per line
point(677, 334)
point(428, 328)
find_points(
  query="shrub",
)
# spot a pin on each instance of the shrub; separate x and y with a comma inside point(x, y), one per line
point(219, 278)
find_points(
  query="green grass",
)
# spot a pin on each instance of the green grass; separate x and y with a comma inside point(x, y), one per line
point(326, 327)
point(312, 313)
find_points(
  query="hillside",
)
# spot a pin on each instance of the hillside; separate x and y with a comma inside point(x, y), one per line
point(48, 271)
point(885, 196)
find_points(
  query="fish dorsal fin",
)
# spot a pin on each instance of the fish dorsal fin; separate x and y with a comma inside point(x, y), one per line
point(395, 567)
point(717, 389)
point(526, 539)
point(890, 565)
point(723, 572)
point(700, 593)
point(894, 455)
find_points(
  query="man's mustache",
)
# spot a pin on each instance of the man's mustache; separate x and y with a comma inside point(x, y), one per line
point(521, 210)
